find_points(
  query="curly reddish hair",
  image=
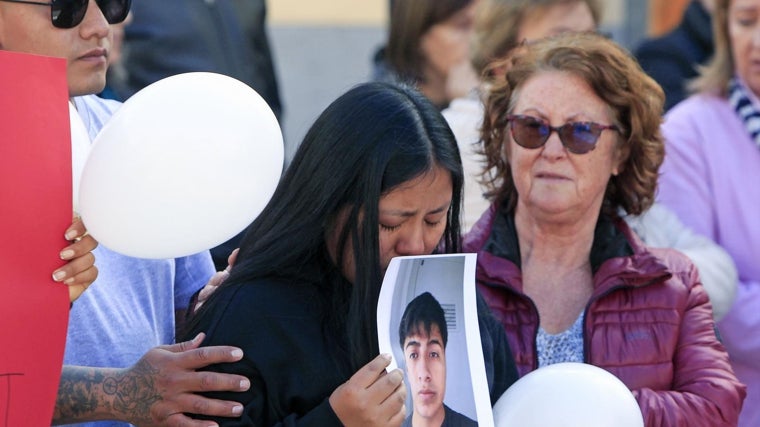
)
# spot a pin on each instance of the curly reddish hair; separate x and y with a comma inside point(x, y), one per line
point(635, 100)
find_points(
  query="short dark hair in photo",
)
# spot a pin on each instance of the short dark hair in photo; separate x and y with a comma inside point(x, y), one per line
point(420, 315)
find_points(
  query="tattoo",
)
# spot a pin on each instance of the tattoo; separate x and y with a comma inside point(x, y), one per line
point(135, 392)
point(78, 397)
point(89, 394)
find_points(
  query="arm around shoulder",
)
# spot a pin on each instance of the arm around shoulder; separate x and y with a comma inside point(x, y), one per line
point(157, 391)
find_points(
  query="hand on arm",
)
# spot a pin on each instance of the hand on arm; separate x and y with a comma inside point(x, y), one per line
point(372, 396)
point(157, 391)
point(80, 271)
point(216, 281)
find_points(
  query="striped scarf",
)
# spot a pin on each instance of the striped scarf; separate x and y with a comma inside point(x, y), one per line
point(738, 98)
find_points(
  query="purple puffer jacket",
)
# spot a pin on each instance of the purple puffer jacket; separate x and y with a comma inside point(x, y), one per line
point(649, 322)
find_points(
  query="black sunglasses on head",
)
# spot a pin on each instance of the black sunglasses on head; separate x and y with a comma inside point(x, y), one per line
point(70, 13)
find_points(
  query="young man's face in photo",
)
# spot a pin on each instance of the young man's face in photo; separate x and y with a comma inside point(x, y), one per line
point(426, 371)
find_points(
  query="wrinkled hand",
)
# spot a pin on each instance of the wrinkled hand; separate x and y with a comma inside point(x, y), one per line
point(169, 381)
point(371, 397)
point(215, 281)
point(80, 271)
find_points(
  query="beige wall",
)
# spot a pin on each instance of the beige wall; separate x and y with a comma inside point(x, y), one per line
point(613, 12)
point(371, 13)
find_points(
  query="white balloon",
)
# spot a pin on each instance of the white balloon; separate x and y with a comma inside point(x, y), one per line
point(80, 149)
point(568, 395)
point(184, 165)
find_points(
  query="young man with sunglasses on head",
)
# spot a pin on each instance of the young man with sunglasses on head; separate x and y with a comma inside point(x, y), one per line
point(131, 309)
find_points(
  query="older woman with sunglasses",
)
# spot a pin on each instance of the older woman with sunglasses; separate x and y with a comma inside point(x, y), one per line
point(500, 27)
point(572, 137)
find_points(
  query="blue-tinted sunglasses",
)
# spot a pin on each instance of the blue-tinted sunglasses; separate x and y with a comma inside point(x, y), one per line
point(577, 137)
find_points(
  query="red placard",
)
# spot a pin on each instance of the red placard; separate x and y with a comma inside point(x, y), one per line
point(35, 201)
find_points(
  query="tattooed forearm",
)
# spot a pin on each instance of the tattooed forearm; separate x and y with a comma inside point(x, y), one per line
point(89, 394)
point(78, 394)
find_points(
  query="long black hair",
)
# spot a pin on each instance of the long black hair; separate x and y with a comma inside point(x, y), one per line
point(366, 143)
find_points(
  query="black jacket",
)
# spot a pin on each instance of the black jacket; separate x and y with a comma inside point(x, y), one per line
point(293, 361)
point(451, 419)
point(170, 37)
point(672, 60)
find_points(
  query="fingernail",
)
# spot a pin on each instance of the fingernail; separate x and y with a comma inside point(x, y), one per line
point(59, 275)
point(71, 234)
point(237, 353)
point(68, 253)
point(245, 384)
point(386, 356)
point(237, 411)
point(68, 281)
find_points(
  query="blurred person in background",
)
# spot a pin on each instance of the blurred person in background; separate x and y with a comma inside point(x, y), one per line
point(169, 37)
point(711, 173)
point(115, 66)
point(673, 59)
point(429, 47)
